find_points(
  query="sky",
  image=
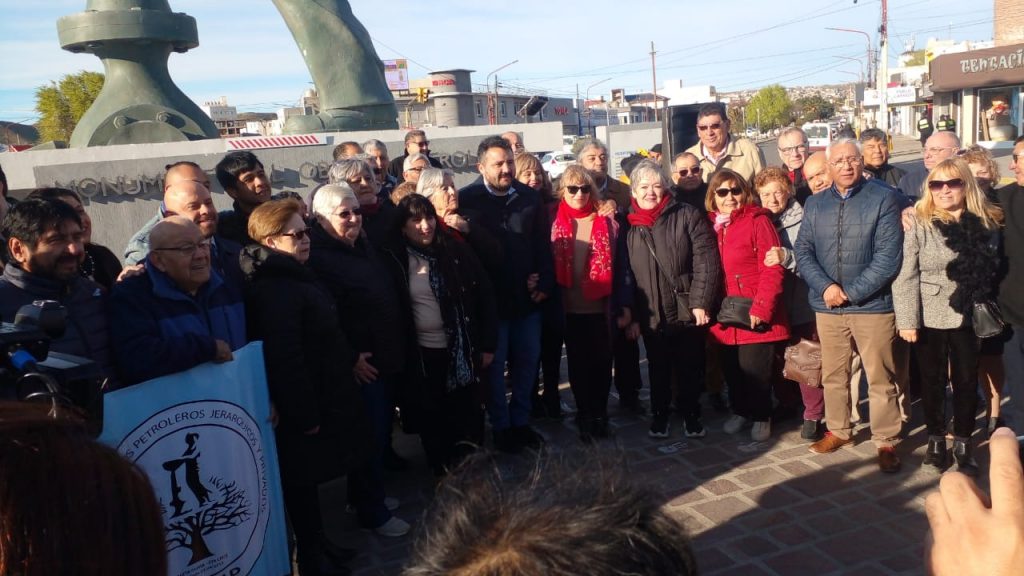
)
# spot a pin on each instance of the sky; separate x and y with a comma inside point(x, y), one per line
point(247, 54)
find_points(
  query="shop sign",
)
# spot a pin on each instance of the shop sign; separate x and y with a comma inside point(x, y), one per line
point(1001, 62)
point(999, 66)
point(895, 95)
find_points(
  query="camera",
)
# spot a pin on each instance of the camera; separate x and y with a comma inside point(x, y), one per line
point(31, 372)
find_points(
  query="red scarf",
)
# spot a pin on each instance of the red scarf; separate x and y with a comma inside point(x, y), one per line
point(598, 282)
point(370, 209)
point(641, 217)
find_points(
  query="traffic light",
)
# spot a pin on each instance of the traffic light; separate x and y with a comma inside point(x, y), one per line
point(422, 94)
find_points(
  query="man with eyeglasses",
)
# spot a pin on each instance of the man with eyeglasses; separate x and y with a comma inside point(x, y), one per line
point(793, 150)
point(415, 143)
point(875, 143)
point(414, 165)
point(1011, 296)
point(849, 250)
point(938, 147)
point(687, 184)
point(180, 313)
point(717, 149)
point(377, 157)
point(45, 247)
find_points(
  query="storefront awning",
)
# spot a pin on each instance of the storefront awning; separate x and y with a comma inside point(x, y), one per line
point(998, 66)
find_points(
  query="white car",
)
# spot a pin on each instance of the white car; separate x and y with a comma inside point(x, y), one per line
point(555, 162)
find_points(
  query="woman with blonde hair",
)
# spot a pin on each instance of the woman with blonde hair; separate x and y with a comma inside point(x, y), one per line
point(950, 262)
point(530, 172)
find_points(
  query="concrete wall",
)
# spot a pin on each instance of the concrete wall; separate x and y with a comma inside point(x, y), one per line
point(626, 139)
point(122, 186)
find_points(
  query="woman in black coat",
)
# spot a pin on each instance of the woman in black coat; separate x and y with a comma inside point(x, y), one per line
point(308, 361)
point(449, 308)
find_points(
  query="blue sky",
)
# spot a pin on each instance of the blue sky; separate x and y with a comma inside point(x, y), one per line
point(247, 53)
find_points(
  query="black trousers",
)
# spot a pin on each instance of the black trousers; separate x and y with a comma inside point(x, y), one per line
point(588, 351)
point(676, 356)
point(449, 418)
point(551, 338)
point(942, 356)
point(302, 502)
point(626, 354)
point(748, 371)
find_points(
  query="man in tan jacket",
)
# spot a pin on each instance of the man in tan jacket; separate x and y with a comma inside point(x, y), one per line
point(717, 149)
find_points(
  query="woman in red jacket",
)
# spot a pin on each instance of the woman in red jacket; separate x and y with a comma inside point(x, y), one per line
point(745, 233)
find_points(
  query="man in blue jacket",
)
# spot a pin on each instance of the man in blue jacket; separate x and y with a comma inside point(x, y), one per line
point(849, 250)
point(513, 213)
point(180, 313)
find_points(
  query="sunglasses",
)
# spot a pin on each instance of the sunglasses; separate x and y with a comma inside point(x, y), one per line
point(573, 190)
point(347, 214)
point(298, 234)
point(688, 171)
point(707, 127)
point(723, 192)
point(954, 184)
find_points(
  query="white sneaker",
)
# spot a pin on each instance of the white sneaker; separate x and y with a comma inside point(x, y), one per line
point(391, 503)
point(734, 424)
point(761, 431)
point(393, 528)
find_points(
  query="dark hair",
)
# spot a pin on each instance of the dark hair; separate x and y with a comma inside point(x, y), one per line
point(342, 150)
point(30, 219)
point(712, 109)
point(3, 181)
point(484, 524)
point(233, 164)
point(721, 176)
point(492, 142)
point(286, 194)
point(413, 134)
point(1018, 140)
point(413, 206)
point(846, 132)
point(70, 505)
point(874, 134)
point(54, 194)
point(629, 162)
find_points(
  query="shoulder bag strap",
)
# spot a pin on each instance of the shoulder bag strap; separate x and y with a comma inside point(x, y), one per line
point(657, 261)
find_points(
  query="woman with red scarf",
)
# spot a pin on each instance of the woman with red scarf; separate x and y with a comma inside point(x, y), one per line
point(675, 264)
point(745, 234)
point(590, 271)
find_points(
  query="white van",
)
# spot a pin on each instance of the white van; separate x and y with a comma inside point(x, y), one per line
point(819, 135)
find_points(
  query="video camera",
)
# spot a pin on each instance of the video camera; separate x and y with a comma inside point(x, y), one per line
point(30, 372)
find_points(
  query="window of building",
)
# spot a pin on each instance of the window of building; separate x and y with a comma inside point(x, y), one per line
point(503, 113)
point(999, 114)
point(479, 108)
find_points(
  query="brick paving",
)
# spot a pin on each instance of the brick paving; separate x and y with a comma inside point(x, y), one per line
point(751, 508)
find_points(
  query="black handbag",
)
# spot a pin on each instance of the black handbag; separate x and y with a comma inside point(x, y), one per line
point(682, 295)
point(987, 319)
point(735, 313)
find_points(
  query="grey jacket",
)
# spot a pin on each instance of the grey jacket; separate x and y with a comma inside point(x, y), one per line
point(794, 290)
point(921, 291)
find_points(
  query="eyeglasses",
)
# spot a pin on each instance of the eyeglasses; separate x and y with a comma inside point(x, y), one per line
point(573, 190)
point(839, 162)
point(299, 235)
point(688, 171)
point(187, 250)
point(422, 144)
point(723, 192)
point(792, 149)
point(419, 169)
point(348, 214)
point(706, 127)
point(937, 185)
point(938, 149)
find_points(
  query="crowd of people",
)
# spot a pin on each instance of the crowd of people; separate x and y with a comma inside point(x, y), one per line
point(388, 287)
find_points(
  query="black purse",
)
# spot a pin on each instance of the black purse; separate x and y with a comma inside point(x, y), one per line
point(987, 319)
point(682, 296)
point(735, 313)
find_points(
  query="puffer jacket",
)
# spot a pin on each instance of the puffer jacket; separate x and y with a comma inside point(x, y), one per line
point(685, 243)
point(855, 242)
point(742, 246)
point(794, 289)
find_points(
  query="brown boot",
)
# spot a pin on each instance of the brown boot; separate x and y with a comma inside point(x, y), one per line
point(830, 443)
point(888, 461)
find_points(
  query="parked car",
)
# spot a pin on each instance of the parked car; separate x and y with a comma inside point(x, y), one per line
point(555, 162)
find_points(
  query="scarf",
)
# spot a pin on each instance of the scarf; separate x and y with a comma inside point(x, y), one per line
point(975, 268)
point(642, 217)
point(598, 281)
point(460, 367)
point(370, 209)
point(722, 220)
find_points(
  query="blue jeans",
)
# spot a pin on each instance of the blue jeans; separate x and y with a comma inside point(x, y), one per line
point(1013, 387)
point(519, 343)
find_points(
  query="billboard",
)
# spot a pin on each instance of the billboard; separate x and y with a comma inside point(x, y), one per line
point(396, 72)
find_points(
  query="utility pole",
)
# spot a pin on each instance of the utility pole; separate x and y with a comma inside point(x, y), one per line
point(579, 121)
point(654, 82)
point(883, 70)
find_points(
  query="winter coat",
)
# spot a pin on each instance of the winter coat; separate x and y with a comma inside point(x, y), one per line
point(887, 173)
point(855, 242)
point(87, 332)
point(741, 155)
point(685, 244)
point(469, 289)
point(309, 365)
point(368, 302)
point(794, 289)
point(1011, 296)
point(519, 223)
point(742, 246)
point(695, 198)
point(234, 225)
point(159, 330)
point(101, 266)
point(396, 167)
point(921, 292)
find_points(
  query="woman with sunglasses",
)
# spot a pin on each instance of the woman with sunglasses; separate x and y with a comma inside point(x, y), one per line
point(452, 324)
point(308, 362)
point(368, 307)
point(676, 267)
point(591, 272)
point(746, 235)
point(950, 262)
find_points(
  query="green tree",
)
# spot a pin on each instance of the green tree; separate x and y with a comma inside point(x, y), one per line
point(771, 107)
point(812, 108)
point(917, 58)
point(62, 104)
